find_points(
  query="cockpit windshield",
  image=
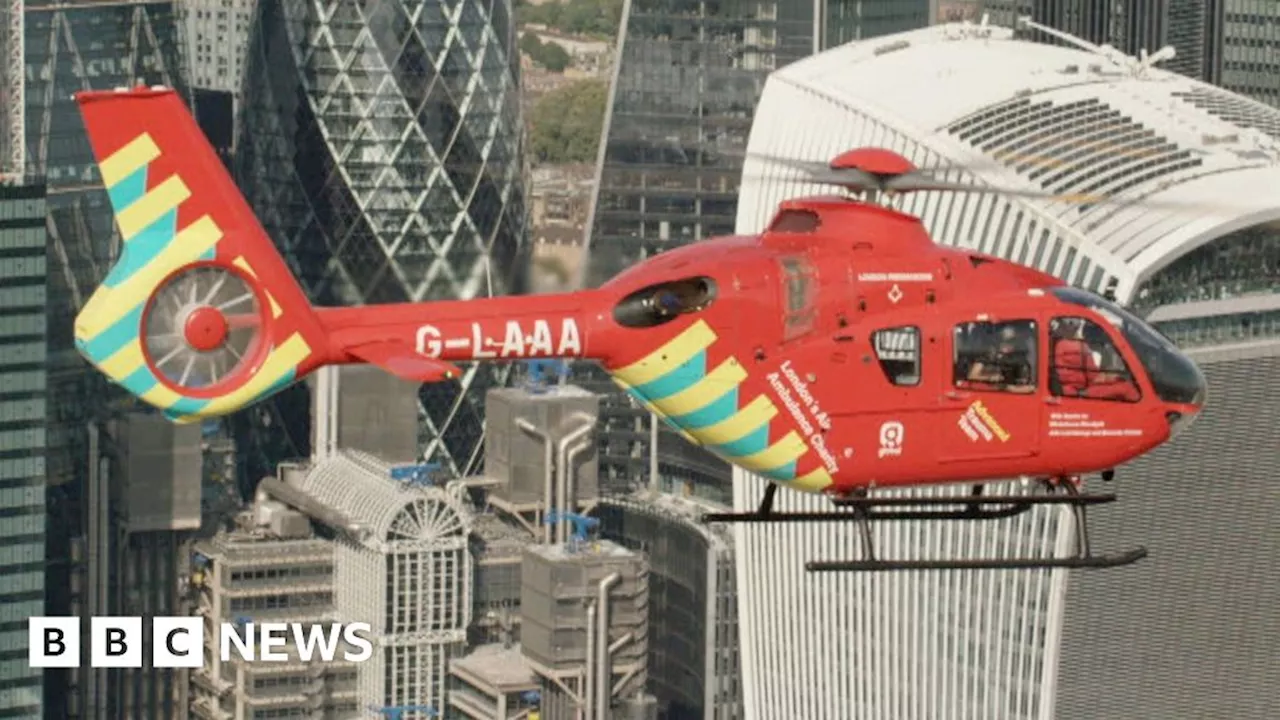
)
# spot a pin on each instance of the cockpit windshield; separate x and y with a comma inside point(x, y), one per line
point(1176, 379)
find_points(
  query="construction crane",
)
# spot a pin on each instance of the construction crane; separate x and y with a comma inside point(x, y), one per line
point(422, 474)
point(581, 525)
point(13, 76)
point(536, 380)
point(396, 712)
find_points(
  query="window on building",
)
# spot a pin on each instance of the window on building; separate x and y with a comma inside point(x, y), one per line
point(800, 287)
point(1084, 363)
point(998, 356)
point(898, 350)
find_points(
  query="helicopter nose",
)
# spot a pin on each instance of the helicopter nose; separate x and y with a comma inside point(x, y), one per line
point(1181, 415)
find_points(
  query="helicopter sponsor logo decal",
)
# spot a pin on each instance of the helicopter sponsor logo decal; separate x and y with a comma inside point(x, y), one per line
point(895, 277)
point(518, 341)
point(977, 422)
point(891, 436)
point(1063, 424)
point(803, 407)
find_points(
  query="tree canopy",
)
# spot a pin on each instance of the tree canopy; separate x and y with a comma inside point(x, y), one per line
point(575, 17)
point(550, 55)
point(566, 122)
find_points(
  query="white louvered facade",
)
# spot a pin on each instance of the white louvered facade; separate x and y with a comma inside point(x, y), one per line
point(979, 645)
point(409, 575)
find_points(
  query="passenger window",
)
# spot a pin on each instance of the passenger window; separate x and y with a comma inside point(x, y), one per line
point(1085, 363)
point(800, 290)
point(996, 356)
point(898, 350)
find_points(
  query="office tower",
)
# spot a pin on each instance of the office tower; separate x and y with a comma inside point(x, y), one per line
point(216, 40)
point(271, 559)
point(23, 437)
point(1203, 504)
point(1189, 26)
point(693, 603)
point(685, 86)
point(69, 47)
point(144, 506)
point(842, 21)
point(585, 667)
point(1248, 58)
point(381, 149)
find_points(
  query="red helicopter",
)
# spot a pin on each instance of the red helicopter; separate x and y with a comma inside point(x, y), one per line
point(837, 352)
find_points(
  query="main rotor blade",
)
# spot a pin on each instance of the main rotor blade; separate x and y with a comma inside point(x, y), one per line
point(920, 182)
point(923, 180)
point(822, 172)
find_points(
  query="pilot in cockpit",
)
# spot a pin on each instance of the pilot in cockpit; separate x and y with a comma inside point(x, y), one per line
point(1086, 365)
point(1007, 363)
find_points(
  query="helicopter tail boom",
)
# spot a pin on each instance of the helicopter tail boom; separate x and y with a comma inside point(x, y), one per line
point(199, 316)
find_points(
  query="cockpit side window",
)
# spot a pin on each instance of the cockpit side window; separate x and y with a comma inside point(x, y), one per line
point(898, 350)
point(1084, 363)
point(800, 289)
point(999, 356)
point(661, 303)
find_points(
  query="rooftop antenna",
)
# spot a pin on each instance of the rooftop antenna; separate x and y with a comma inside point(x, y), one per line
point(1112, 55)
point(1146, 61)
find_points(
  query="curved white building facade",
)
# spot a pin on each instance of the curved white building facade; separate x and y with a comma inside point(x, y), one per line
point(982, 644)
point(409, 575)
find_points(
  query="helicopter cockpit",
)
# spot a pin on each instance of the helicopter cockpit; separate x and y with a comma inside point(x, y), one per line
point(1174, 376)
point(996, 356)
point(661, 303)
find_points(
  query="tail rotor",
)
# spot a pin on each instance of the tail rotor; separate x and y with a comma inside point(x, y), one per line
point(203, 329)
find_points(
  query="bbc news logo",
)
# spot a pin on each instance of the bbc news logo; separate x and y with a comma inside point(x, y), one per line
point(178, 642)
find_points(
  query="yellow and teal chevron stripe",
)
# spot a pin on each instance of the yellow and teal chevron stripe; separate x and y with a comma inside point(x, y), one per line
point(704, 405)
point(108, 328)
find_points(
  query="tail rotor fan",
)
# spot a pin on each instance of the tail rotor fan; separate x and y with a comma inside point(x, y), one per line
point(203, 327)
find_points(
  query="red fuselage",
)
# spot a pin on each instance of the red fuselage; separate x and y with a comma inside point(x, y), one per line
point(778, 366)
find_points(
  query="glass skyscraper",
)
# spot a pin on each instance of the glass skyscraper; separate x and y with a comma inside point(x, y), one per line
point(1191, 27)
point(23, 407)
point(1250, 49)
point(688, 78)
point(71, 47)
point(380, 145)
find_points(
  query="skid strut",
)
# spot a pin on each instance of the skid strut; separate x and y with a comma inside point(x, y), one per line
point(977, 506)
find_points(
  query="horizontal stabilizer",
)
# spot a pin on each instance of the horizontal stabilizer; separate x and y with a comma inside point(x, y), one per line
point(400, 360)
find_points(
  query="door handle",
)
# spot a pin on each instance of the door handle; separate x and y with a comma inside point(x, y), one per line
point(1052, 400)
point(956, 395)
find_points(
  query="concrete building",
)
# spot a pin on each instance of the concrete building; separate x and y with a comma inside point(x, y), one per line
point(23, 436)
point(145, 510)
point(216, 35)
point(494, 682)
point(693, 668)
point(347, 537)
point(584, 625)
point(268, 570)
point(1201, 264)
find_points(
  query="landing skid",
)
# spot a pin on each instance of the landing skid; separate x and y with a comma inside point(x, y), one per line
point(978, 506)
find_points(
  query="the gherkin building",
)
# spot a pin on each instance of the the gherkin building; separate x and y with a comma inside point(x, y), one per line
point(379, 141)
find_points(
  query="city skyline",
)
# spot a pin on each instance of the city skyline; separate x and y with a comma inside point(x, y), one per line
point(1213, 299)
